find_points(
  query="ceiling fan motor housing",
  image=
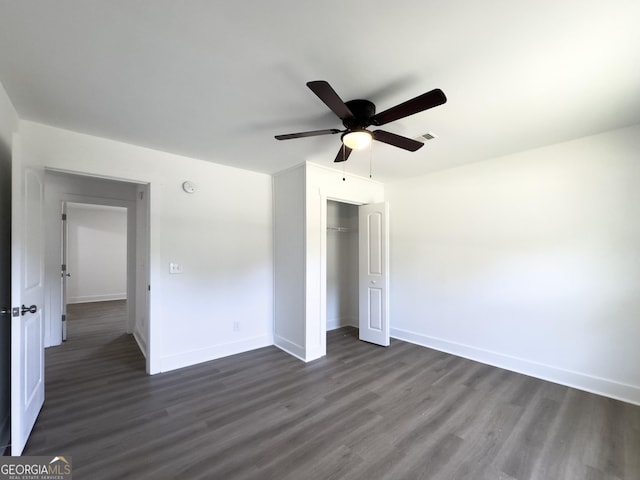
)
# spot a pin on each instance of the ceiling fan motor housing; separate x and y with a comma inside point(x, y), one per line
point(362, 111)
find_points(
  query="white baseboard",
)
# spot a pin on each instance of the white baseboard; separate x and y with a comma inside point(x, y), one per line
point(106, 297)
point(141, 341)
point(581, 381)
point(290, 347)
point(334, 323)
point(194, 357)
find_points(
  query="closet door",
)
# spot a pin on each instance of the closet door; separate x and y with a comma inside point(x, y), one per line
point(373, 262)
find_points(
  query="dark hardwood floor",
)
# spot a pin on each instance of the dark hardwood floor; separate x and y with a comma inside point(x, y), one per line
point(362, 412)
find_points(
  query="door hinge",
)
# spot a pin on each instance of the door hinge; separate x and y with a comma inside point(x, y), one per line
point(15, 312)
point(141, 195)
point(149, 287)
point(64, 217)
point(64, 318)
point(64, 267)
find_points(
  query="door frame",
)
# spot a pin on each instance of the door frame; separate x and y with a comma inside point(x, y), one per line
point(324, 198)
point(138, 249)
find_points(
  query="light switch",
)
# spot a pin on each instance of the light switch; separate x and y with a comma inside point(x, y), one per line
point(175, 268)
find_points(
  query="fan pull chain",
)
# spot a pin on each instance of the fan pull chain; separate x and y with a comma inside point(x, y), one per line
point(370, 159)
point(344, 152)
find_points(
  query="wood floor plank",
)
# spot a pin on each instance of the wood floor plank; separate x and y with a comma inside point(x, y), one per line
point(363, 412)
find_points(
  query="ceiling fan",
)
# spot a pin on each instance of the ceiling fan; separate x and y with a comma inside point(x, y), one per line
point(357, 115)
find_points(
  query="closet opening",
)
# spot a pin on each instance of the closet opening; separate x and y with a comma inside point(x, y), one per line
point(342, 300)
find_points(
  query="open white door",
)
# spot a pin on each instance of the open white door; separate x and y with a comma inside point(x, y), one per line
point(64, 271)
point(27, 297)
point(373, 250)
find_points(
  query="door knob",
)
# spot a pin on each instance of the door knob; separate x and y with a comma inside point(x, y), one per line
point(31, 309)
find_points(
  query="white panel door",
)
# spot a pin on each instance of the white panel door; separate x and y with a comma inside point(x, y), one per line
point(64, 270)
point(373, 262)
point(27, 297)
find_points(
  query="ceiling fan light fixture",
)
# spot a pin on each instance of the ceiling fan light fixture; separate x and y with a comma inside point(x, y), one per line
point(357, 139)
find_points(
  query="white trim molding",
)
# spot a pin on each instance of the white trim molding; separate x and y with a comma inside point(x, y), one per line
point(194, 357)
point(581, 381)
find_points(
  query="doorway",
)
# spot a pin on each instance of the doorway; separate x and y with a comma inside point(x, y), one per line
point(364, 257)
point(94, 257)
point(106, 195)
point(342, 265)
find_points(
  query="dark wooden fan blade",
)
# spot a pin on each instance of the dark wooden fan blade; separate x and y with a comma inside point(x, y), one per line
point(343, 154)
point(331, 99)
point(311, 133)
point(397, 140)
point(410, 107)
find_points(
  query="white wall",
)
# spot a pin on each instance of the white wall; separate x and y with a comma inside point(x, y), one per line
point(342, 265)
point(221, 235)
point(530, 262)
point(8, 125)
point(289, 233)
point(97, 253)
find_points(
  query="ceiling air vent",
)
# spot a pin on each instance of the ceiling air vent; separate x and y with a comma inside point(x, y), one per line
point(427, 136)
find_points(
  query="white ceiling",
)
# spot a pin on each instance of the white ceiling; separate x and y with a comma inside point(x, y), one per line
point(217, 80)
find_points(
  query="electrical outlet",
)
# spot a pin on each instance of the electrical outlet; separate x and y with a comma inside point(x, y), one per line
point(175, 268)
point(236, 326)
